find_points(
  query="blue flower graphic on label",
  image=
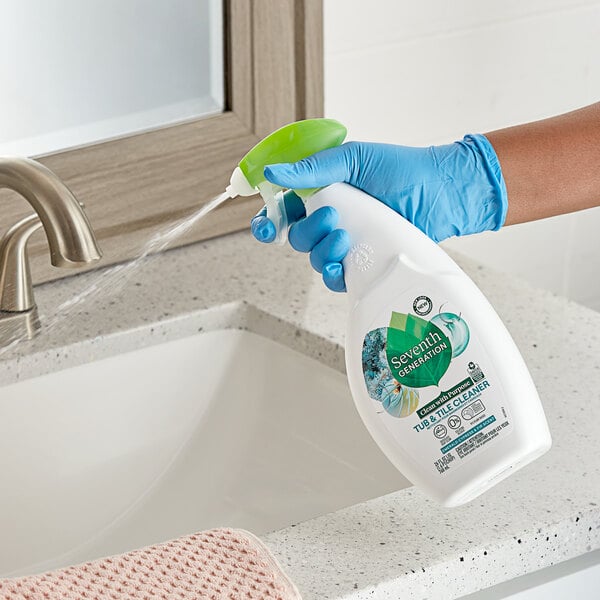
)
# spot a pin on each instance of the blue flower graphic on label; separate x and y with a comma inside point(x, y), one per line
point(396, 399)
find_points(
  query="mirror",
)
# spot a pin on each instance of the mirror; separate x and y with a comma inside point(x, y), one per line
point(73, 73)
point(147, 79)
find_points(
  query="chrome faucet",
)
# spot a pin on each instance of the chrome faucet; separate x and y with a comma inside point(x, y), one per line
point(70, 237)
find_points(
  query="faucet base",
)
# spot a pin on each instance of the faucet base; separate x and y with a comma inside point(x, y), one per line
point(16, 326)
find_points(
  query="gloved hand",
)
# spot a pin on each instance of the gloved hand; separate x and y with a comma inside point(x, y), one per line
point(455, 189)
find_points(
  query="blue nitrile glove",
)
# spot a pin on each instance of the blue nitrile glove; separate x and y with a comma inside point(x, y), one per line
point(456, 189)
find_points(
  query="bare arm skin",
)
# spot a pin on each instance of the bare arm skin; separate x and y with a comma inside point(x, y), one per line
point(552, 166)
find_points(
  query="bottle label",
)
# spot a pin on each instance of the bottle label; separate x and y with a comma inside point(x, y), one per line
point(432, 383)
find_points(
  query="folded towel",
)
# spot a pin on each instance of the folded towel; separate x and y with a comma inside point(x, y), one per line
point(214, 564)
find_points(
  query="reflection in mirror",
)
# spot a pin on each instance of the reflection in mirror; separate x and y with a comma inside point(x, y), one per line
point(73, 72)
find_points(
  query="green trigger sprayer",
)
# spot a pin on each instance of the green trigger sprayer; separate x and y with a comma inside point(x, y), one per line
point(434, 373)
point(288, 144)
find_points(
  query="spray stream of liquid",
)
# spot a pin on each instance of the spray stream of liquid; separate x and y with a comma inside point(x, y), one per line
point(118, 275)
point(115, 278)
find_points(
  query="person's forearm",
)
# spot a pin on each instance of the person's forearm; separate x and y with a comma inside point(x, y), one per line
point(550, 167)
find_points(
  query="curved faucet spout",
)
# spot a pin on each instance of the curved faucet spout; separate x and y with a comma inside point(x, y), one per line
point(70, 236)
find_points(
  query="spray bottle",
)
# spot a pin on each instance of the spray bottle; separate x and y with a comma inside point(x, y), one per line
point(434, 373)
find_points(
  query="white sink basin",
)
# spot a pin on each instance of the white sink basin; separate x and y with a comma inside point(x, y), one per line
point(224, 428)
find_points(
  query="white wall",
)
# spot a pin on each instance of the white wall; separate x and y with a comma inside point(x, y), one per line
point(428, 72)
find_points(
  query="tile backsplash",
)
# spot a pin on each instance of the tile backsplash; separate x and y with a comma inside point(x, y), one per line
point(426, 73)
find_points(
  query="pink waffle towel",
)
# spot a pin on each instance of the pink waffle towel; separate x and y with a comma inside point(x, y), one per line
point(213, 564)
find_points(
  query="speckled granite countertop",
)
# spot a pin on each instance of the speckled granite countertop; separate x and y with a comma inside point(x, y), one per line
point(401, 545)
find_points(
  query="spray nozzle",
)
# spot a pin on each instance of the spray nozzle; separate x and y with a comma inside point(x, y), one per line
point(290, 143)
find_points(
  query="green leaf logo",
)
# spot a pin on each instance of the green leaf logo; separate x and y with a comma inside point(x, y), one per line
point(418, 351)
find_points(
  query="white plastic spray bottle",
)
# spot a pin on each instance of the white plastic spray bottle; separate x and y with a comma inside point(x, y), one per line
point(435, 375)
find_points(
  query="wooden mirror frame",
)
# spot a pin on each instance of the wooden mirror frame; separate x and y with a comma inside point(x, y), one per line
point(133, 185)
